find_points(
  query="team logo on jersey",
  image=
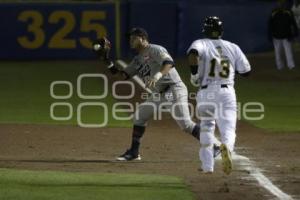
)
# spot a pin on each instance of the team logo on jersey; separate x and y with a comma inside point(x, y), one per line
point(144, 72)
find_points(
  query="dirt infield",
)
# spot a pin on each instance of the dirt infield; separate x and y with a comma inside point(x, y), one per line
point(165, 150)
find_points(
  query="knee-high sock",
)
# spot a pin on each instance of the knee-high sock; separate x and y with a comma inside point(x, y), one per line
point(196, 132)
point(138, 132)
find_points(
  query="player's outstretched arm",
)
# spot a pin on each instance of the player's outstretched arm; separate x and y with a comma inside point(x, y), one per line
point(102, 48)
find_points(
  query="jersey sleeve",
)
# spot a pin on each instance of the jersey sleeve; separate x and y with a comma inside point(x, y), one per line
point(161, 55)
point(130, 70)
point(198, 46)
point(242, 64)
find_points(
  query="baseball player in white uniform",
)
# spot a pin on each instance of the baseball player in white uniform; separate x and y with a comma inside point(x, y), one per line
point(213, 63)
point(156, 68)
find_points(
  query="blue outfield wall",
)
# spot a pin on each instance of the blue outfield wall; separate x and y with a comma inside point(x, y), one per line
point(160, 21)
point(66, 31)
point(53, 30)
point(244, 24)
point(176, 23)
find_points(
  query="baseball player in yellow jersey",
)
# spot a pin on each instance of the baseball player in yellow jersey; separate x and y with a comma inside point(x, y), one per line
point(214, 63)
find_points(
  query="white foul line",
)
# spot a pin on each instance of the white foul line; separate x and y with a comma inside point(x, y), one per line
point(262, 179)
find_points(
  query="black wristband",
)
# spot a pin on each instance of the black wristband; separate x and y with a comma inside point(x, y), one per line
point(112, 68)
point(194, 69)
point(125, 75)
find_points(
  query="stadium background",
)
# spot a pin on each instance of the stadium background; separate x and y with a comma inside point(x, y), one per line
point(66, 29)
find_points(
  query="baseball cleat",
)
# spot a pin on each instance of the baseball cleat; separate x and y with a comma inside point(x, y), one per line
point(217, 150)
point(226, 159)
point(129, 156)
point(204, 172)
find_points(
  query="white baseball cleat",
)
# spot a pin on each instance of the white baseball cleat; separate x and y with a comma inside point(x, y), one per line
point(226, 159)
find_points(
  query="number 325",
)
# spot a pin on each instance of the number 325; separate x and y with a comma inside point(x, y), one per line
point(60, 40)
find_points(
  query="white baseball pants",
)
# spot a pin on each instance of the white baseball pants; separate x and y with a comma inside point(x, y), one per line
point(216, 105)
point(177, 106)
point(283, 44)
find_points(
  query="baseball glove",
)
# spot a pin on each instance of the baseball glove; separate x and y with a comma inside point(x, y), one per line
point(102, 47)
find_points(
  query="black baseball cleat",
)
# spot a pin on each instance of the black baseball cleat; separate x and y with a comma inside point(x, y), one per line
point(217, 150)
point(129, 156)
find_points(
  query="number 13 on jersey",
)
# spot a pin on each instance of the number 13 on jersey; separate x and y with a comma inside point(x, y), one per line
point(224, 65)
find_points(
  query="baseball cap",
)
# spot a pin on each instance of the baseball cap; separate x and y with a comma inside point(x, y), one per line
point(137, 31)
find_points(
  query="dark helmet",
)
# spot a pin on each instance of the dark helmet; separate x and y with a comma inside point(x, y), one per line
point(139, 32)
point(213, 27)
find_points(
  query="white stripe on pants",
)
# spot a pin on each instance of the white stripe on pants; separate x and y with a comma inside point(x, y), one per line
point(285, 44)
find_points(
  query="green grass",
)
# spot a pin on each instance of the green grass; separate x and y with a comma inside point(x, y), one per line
point(25, 93)
point(280, 99)
point(36, 185)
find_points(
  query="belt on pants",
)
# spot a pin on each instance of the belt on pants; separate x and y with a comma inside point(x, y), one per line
point(222, 86)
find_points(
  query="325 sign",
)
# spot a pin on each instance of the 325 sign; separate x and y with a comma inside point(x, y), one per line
point(35, 36)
